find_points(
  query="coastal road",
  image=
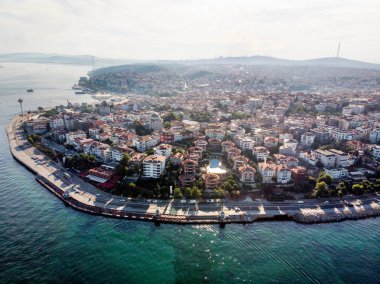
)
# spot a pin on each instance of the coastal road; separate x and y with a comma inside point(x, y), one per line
point(88, 194)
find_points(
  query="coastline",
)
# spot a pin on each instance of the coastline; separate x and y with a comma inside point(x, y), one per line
point(303, 215)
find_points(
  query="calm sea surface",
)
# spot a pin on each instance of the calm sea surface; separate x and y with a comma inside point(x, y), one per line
point(41, 240)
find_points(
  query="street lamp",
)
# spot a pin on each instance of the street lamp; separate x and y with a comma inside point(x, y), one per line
point(20, 101)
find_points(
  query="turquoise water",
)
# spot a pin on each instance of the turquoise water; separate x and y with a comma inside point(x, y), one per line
point(214, 163)
point(41, 240)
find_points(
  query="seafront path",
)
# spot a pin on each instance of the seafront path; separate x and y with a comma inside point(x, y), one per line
point(83, 196)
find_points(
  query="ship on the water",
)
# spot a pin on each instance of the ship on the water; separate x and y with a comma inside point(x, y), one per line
point(30, 90)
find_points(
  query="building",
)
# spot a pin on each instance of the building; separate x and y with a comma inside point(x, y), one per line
point(163, 150)
point(118, 152)
point(189, 167)
point(215, 133)
point(71, 136)
point(307, 139)
point(247, 174)
point(375, 152)
point(261, 153)
point(283, 174)
point(144, 143)
point(267, 171)
point(337, 173)
point(239, 161)
point(341, 159)
point(245, 143)
point(327, 158)
point(153, 166)
point(211, 181)
point(374, 136)
point(298, 174)
point(270, 142)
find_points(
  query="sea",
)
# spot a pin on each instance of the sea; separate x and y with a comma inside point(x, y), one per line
point(42, 240)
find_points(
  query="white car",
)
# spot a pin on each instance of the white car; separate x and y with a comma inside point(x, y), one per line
point(237, 209)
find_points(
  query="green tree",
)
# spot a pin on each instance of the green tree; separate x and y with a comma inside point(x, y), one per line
point(122, 167)
point(177, 194)
point(321, 189)
point(358, 189)
point(167, 125)
point(326, 178)
point(219, 192)
point(196, 192)
point(187, 192)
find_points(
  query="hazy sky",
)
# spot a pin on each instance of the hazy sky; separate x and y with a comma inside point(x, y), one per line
point(180, 29)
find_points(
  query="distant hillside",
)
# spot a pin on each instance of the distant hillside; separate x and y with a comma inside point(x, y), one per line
point(61, 59)
point(248, 60)
point(272, 61)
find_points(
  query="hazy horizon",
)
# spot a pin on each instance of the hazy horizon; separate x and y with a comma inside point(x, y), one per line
point(172, 30)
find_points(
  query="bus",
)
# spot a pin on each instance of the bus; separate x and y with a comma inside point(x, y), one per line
point(66, 175)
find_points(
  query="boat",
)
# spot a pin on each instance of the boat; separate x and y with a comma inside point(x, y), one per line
point(30, 90)
point(80, 93)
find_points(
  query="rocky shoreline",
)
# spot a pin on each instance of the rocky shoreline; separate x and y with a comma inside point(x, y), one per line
point(320, 216)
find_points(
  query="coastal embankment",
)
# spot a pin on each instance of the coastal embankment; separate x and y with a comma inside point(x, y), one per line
point(81, 196)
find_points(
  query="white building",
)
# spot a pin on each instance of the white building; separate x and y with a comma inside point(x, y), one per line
point(341, 159)
point(283, 174)
point(374, 136)
point(71, 136)
point(215, 133)
point(163, 150)
point(245, 143)
point(267, 171)
point(307, 139)
point(261, 153)
point(337, 173)
point(153, 166)
point(57, 122)
point(375, 152)
point(144, 143)
point(325, 157)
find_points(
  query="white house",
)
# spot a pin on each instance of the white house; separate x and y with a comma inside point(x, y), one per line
point(267, 171)
point(153, 166)
point(283, 174)
point(307, 139)
point(337, 173)
point(163, 150)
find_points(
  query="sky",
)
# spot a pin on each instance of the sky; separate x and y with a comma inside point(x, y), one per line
point(192, 29)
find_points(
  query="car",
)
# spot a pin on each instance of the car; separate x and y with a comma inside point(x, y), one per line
point(300, 202)
point(237, 209)
point(97, 194)
point(183, 200)
point(122, 200)
point(326, 202)
point(154, 201)
point(192, 201)
point(149, 200)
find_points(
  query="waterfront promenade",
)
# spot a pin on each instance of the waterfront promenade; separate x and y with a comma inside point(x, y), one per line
point(82, 196)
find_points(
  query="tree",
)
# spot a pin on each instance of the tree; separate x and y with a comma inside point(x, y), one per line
point(358, 189)
point(196, 192)
point(341, 189)
point(219, 192)
point(321, 189)
point(177, 194)
point(326, 178)
point(20, 101)
point(40, 109)
point(122, 167)
point(187, 192)
point(167, 125)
